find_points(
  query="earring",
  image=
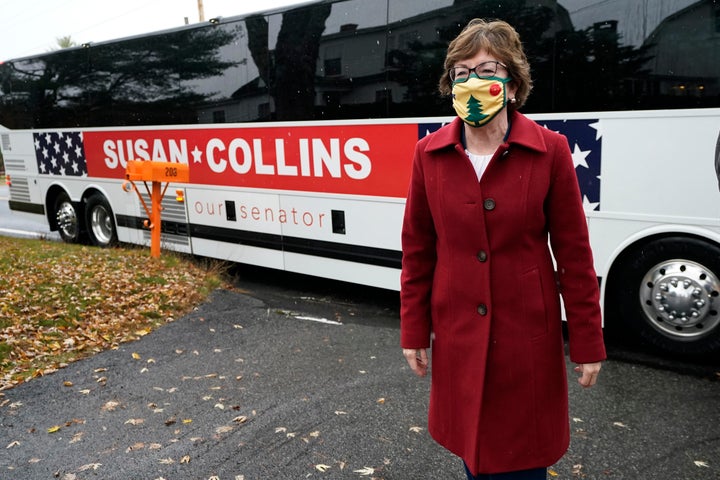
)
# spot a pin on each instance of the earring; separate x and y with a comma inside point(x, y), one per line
point(513, 100)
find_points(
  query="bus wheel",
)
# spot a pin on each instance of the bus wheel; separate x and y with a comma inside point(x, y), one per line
point(100, 221)
point(668, 292)
point(67, 219)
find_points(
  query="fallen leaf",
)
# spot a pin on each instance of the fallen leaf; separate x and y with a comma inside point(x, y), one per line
point(13, 444)
point(54, 429)
point(135, 421)
point(137, 446)
point(381, 400)
point(89, 466)
point(322, 467)
point(416, 429)
point(185, 459)
point(240, 419)
point(167, 461)
point(136, 356)
point(110, 406)
point(552, 472)
point(224, 429)
point(700, 463)
point(67, 384)
point(365, 471)
point(187, 420)
point(620, 424)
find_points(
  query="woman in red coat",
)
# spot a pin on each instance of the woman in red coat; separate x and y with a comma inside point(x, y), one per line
point(487, 193)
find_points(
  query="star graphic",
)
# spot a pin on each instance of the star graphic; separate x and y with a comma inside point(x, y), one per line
point(588, 205)
point(197, 155)
point(544, 125)
point(598, 129)
point(579, 157)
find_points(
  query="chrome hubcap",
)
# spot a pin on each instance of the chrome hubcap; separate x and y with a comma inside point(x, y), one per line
point(679, 298)
point(67, 220)
point(101, 224)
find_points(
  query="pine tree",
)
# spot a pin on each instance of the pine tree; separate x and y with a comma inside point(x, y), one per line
point(475, 114)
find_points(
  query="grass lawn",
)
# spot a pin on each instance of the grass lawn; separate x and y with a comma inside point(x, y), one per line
point(62, 302)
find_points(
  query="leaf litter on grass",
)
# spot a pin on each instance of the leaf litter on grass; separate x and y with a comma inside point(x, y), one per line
point(61, 302)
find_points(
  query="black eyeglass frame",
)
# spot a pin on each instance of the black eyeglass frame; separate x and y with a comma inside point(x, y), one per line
point(453, 75)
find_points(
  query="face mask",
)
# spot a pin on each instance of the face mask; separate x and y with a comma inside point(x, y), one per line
point(478, 100)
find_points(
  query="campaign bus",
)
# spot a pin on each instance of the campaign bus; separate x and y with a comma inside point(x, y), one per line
point(297, 126)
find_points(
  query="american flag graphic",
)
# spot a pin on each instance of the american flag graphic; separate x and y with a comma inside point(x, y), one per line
point(60, 153)
point(585, 141)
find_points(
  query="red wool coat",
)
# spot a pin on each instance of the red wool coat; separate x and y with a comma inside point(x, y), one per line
point(478, 275)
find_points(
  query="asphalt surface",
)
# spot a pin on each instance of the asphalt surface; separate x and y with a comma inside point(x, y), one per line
point(269, 383)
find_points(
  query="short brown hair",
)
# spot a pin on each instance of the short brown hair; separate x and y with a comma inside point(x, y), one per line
point(500, 40)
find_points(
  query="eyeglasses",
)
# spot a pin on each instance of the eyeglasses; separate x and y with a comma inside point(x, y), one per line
point(485, 69)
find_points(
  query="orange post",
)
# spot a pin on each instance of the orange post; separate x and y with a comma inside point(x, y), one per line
point(155, 220)
point(156, 173)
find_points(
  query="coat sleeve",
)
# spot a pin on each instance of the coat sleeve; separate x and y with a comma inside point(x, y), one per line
point(418, 261)
point(570, 243)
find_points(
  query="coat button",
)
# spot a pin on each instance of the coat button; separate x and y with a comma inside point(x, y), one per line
point(482, 309)
point(482, 256)
point(489, 204)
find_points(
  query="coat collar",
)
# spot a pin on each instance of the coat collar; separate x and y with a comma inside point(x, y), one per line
point(523, 132)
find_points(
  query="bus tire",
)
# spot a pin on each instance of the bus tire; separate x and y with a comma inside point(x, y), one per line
point(667, 292)
point(67, 219)
point(100, 221)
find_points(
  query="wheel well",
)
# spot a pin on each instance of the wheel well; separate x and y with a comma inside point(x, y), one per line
point(89, 193)
point(52, 195)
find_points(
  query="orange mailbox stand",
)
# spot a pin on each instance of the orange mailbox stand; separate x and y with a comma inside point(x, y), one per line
point(157, 173)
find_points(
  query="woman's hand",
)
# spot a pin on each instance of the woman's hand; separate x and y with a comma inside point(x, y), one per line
point(417, 359)
point(590, 372)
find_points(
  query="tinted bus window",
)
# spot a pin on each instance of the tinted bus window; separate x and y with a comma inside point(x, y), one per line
point(370, 59)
